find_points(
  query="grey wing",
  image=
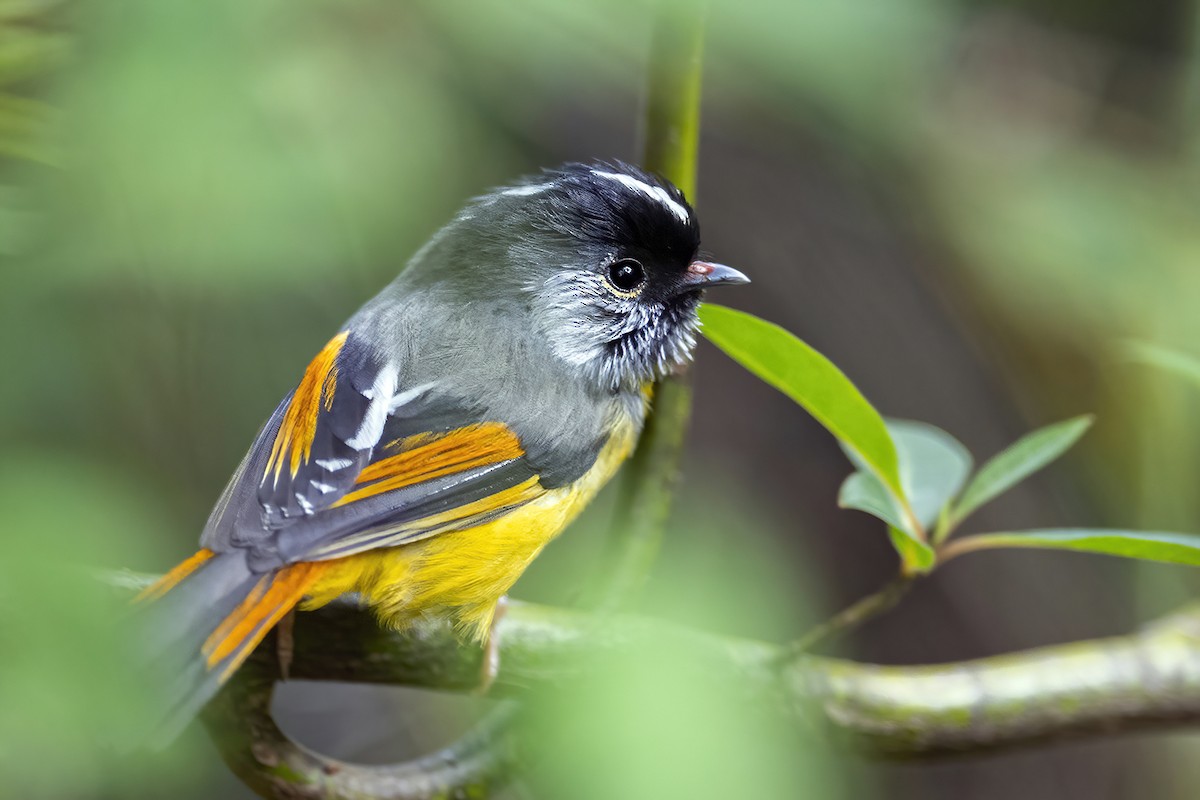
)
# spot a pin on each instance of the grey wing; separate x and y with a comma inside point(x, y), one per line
point(311, 450)
point(334, 472)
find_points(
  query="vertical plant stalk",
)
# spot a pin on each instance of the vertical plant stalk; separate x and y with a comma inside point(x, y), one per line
point(671, 143)
point(1187, 111)
point(672, 115)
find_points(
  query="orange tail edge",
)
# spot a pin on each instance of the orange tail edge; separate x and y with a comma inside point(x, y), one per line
point(268, 602)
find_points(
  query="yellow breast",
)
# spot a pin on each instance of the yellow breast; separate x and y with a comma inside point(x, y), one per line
point(464, 573)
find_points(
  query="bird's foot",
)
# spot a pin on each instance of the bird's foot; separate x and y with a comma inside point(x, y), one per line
point(285, 643)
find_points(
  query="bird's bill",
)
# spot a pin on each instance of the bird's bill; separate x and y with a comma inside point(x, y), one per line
point(702, 274)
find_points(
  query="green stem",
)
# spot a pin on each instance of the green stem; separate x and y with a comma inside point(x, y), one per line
point(850, 617)
point(960, 547)
point(945, 525)
point(672, 133)
point(646, 493)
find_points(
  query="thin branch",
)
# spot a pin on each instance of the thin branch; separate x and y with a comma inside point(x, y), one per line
point(1147, 680)
point(851, 617)
point(272, 765)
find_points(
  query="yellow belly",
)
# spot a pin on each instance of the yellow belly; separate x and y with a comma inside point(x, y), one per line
point(464, 573)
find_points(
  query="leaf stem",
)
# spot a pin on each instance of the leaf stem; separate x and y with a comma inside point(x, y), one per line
point(945, 525)
point(849, 618)
point(960, 546)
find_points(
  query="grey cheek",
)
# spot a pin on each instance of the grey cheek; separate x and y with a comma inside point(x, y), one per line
point(581, 319)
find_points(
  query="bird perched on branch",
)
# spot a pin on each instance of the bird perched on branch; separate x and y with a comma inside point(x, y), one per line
point(453, 426)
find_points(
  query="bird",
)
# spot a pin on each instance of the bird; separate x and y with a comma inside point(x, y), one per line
point(451, 428)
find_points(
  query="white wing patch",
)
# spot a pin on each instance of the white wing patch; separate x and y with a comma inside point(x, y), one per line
point(333, 464)
point(381, 392)
point(653, 192)
point(407, 396)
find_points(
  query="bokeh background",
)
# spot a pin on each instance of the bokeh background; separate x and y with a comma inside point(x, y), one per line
point(972, 206)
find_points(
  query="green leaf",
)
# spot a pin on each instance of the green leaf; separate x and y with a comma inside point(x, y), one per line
point(1173, 548)
point(1182, 364)
point(862, 491)
point(933, 466)
point(812, 380)
point(1017, 462)
point(918, 558)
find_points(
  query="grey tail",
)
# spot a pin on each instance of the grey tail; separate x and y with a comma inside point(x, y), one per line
point(171, 629)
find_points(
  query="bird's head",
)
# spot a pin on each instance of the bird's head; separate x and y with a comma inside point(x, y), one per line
point(605, 260)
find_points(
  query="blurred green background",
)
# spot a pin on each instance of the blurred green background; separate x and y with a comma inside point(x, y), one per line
point(972, 206)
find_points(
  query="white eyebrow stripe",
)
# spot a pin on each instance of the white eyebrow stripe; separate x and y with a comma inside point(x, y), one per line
point(655, 192)
point(525, 191)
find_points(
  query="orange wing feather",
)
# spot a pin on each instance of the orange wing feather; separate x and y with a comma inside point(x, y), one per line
point(170, 580)
point(422, 458)
point(412, 460)
point(293, 442)
point(425, 457)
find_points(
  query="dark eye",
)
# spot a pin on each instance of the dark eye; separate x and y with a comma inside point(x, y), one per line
point(626, 275)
